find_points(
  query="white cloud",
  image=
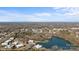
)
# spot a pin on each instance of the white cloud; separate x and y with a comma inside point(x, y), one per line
point(13, 16)
point(43, 14)
point(72, 14)
point(68, 11)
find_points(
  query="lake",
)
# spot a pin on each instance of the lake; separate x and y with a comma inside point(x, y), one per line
point(56, 41)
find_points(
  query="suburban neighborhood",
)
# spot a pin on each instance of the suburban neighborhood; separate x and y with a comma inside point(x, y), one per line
point(27, 37)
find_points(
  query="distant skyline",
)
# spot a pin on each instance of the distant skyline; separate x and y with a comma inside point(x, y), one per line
point(39, 14)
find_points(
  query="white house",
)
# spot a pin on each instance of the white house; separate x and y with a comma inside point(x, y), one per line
point(10, 39)
point(26, 30)
point(21, 29)
point(4, 43)
point(31, 42)
point(15, 43)
point(7, 41)
point(37, 46)
point(40, 30)
point(8, 46)
point(19, 45)
point(77, 34)
point(37, 30)
point(50, 31)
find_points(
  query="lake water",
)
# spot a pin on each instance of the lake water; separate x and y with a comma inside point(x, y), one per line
point(57, 41)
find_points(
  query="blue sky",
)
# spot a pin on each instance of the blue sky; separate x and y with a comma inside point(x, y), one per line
point(39, 14)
